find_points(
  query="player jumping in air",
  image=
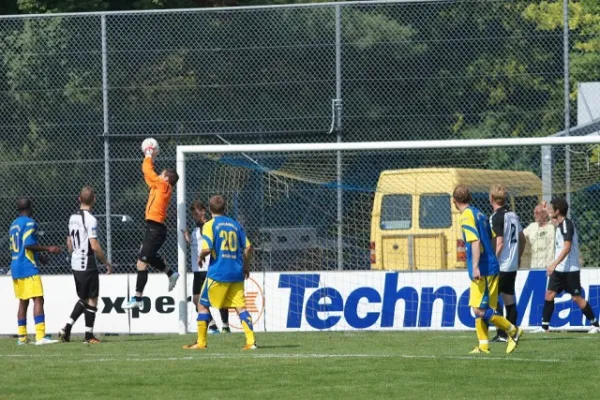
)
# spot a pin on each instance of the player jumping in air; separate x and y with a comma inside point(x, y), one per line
point(83, 244)
point(24, 251)
point(483, 272)
point(161, 189)
point(564, 274)
point(224, 239)
point(508, 242)
point(200, 265)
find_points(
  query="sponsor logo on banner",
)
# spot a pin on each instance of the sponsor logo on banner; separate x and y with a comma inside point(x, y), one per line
point(162, 305)
point(339, 304)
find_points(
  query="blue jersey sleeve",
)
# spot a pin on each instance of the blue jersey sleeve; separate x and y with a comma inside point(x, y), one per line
point(208, 235)
point(30, 234)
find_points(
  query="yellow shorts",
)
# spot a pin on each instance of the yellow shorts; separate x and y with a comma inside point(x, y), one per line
point(484, 292)
point(28, 288)
point(222, 294)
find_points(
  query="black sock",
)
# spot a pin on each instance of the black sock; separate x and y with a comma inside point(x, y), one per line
point(224, 316)
point(212, 325)
point(90, 319)
point(589, 314)
point(140, 284)
point(511, 314)
point(75, 314)
point(547, 314)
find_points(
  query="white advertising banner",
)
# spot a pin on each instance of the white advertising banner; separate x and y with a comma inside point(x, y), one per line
point(379, 300)
point(309, 301)
point(60, 298)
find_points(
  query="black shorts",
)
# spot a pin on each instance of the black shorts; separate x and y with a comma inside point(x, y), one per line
point(507, 282)
point(199, 278)
point(87, 283)
point(155, 237)
point(569, 282)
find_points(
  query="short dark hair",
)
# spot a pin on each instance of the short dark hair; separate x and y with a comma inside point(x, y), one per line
point(462, 194)
point(87, 195)
point(560, 205)
point(217, 204)
point(24, 204)
point(172, 175)
point(197, 205)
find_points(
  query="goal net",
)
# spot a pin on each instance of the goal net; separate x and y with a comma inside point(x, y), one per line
point(365, 236)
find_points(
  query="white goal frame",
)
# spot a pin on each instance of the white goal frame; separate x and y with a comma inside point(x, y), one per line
point(182, 150)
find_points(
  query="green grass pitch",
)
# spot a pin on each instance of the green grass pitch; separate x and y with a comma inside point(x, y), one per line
point(324, 365)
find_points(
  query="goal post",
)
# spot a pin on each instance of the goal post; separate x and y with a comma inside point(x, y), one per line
point(311, 166)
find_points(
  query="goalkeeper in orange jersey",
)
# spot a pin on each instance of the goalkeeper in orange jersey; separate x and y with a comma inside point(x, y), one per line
point(161, 189)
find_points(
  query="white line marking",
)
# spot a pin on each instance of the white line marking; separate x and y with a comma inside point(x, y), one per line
point(136, 358)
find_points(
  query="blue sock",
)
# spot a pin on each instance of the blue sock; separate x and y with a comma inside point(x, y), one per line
point(245, 316)
point(489, 313)
point(203, 317)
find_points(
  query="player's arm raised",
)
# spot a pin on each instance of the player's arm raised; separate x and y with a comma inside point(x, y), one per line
point(150, 176)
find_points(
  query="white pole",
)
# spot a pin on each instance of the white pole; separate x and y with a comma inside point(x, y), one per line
point(546, 173)
point(392, 145)
point(181, 243)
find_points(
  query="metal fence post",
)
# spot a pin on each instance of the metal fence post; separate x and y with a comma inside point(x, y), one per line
point(105, 134)
point(567, 101)
point(338, 128)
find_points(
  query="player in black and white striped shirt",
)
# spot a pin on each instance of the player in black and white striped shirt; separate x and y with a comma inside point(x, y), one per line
point(563, 273)
point(82, 243)
point(509, 242)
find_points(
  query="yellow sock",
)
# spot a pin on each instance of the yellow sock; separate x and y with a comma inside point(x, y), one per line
point(202, 323)
point(504, 324)
point(482, 333)
point(40, 326)
point(202, 328)
point(246, 320)
point(250, 339)
point(40, 331)
point(22, 330)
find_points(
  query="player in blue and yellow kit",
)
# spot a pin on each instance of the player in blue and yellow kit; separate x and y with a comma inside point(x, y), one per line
point(483, 271)
point(230, 250)
point(27, 283)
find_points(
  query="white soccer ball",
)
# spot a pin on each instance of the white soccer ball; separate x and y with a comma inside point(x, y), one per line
point(150, 143)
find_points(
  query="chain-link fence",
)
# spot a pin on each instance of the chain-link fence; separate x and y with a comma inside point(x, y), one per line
point(80, 92)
